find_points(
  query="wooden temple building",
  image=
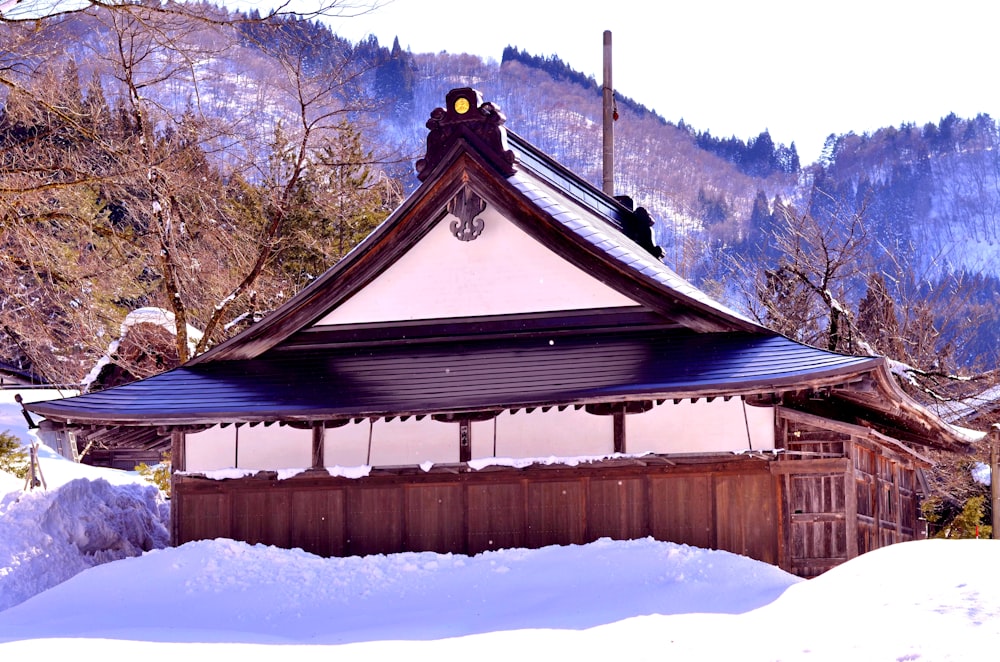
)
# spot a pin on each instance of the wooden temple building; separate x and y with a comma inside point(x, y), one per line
point(506, 362)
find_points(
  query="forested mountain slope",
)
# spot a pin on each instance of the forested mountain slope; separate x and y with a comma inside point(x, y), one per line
point(916, 209)
point(215, 133)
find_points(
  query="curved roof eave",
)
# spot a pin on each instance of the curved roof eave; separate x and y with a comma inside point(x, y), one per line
point(477, 374)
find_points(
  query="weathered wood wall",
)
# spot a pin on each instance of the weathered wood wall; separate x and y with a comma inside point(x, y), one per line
point(888, 503)
point(730, 505)
point(845, 494)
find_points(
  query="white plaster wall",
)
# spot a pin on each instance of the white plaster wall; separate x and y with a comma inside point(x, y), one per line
point(700, 427)
point(392, 443)
point(274, 447)
point(503, 271)
point(347, 446)
point(214, 448)
point(568, 433)
point(483, 436)
point(258, 447)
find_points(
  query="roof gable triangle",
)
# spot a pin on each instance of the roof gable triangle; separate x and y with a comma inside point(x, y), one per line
point(479, 265)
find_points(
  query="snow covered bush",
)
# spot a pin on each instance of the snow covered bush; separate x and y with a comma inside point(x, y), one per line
point(158, 474)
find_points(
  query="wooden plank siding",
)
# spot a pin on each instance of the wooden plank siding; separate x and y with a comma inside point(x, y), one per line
point(728, 505)
point(829, 495)
point(846, 494)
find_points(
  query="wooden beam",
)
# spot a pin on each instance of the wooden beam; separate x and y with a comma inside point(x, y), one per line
point(860, 431)
point(782, 490)
point(612, 408)
point(821, 422)
point(875, 434)
point(897, 497)
point(817, 517)
point(825, 466)
point(454, 417)
point(994, 440)
point(178, 451)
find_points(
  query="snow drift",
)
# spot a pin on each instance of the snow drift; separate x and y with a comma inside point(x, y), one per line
point(48, 537)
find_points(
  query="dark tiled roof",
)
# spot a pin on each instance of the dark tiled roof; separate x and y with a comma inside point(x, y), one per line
point(451, 376)
point(22, 375)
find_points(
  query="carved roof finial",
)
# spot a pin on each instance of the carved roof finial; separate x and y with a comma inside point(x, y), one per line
point(467, 117)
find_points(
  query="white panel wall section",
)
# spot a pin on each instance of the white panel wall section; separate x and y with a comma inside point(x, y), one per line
point(274, 447)
point(249, 447)
point(347, 446)
point(568, 433)
point(392, 443)
point(686, 427)
point(700, 427)
point(214, 448)
point(503, 271)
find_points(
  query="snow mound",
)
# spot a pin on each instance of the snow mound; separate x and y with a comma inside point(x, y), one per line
point(48, 537)
point(226, 591)
point(926, 596)
point(981, 473)
point(9, 483)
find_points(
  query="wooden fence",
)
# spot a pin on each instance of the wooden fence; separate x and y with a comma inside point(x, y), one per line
point(730, 505)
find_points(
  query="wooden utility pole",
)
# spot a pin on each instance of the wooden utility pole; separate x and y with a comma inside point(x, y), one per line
point(994, 439)
point(609, 120)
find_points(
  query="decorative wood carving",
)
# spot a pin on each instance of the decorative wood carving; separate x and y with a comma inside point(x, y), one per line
point(465, 441)
point(467, 117)
point(466, 206)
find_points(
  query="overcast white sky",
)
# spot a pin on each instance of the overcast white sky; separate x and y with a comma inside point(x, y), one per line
point(800, 69)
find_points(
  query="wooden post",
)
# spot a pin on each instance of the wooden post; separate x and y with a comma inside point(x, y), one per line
point(318, 445)
point(851, 498)
point(609, 120)
point(619, 430)
point(178, 451)
point(994, 438)
point(178, 462)
point(877, 505)
point(465, 440)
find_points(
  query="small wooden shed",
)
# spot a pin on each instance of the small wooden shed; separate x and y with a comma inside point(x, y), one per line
point(506, 362)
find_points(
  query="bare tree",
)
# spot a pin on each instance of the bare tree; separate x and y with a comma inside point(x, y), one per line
point(806, 294)
point(186, 208)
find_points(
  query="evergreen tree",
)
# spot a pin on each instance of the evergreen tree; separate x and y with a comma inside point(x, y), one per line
point(13, 457)
point(760, 159)
point(877, 321)
point(762, 229)
point(394, 80)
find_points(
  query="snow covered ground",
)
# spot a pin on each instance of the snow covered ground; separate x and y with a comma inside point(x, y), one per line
point(73, 588)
